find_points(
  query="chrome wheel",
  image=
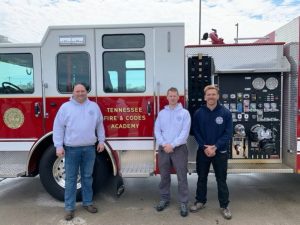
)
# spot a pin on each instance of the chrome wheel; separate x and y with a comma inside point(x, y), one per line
point(59, 173)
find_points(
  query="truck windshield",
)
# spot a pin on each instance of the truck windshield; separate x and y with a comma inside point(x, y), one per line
point(16, 73)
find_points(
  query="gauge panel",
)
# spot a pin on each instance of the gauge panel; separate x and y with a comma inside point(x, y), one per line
point(272, 83)
point(254, 101)
point(258, 83)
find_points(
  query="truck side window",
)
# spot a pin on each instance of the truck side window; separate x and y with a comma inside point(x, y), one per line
point(72, 68)
point(122, 41)
point(16, 73)
point(124, 72)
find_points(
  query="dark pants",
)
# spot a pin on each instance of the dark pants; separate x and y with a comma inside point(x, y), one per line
point(219, 162)
point(178, 159)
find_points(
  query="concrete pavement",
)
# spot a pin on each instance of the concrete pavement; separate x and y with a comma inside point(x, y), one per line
point(266, 199)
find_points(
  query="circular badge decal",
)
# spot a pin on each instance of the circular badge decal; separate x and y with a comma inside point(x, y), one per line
point(178, 118)
point(13, 118)
point(219, 120)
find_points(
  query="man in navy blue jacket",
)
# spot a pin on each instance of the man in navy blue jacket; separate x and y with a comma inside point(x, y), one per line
point(212, 128)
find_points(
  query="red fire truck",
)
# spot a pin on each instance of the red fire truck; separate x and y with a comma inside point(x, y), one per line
point(128, 69)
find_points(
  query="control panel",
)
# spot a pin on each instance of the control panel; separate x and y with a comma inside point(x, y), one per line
point(255, 103)
point(199, 75)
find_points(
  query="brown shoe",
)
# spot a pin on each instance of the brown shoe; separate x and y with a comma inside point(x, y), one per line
point(90, 208)
point(69, 215)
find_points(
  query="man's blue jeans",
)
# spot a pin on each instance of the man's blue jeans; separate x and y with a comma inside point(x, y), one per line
point(219, 162)
point(76, 158)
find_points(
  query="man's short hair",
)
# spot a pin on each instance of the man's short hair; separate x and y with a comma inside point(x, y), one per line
point(81, 83)
point(209, 87)
point(173, 89)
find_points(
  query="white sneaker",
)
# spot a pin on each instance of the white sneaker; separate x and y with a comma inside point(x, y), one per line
point(226, 213)
point(196, 207)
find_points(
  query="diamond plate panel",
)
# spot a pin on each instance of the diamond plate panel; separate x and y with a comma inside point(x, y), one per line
point(12, 164)
point(131, 144)
point(244, 58)
point(192, 149)
point(290, 102)
point(12, 170)
point(10, 157)
point(136, 163)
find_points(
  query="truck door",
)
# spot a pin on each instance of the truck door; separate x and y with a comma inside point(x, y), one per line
point(124, 74)
point(21, 123)
point(68, 58)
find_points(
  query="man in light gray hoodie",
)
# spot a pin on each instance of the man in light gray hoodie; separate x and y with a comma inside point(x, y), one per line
point(74, 135)
point(172, 128)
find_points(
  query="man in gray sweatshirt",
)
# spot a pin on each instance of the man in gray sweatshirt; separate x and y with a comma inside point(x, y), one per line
point(74, 135)
point(172, 128)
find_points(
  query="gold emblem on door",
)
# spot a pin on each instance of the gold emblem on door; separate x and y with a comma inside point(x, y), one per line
point(13, 118)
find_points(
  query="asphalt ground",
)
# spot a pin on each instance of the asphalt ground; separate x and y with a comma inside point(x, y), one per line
point(260, 199)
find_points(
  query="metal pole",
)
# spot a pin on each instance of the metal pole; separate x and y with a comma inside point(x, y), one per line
point(199, 22)
point(237, 33)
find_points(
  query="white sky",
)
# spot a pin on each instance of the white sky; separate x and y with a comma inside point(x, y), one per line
point(27, 20)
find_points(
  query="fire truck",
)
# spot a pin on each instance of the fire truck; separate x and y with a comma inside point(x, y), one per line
point(128, 70)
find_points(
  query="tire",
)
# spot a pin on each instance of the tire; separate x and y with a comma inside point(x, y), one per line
point(52, 175)
point(102, 172)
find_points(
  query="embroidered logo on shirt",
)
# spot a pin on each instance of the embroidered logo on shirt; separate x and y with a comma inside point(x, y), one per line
point(91, 113)
point(219, 120)
point(178, 118)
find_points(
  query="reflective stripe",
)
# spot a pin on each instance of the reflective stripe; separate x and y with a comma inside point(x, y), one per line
point(16, 146)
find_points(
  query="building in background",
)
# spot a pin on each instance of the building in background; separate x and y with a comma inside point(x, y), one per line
point(4, 39)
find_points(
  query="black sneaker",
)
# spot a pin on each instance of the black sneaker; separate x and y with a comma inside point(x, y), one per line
point(162, 205)
point(183, 210)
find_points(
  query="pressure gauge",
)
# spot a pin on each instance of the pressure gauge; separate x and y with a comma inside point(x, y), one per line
point(225, 96)
point(258, 83)
point(272, 83)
